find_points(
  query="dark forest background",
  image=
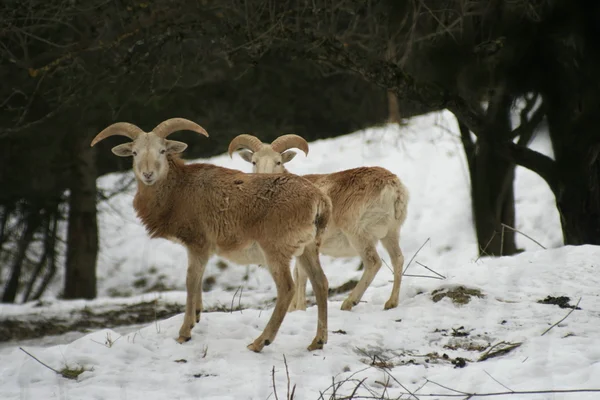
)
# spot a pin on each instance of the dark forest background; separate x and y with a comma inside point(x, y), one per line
point(316, 68)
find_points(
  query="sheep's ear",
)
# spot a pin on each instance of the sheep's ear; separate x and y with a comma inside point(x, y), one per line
point(174, 147)
point(288, 156)
point(246, 155)
point(123, 150)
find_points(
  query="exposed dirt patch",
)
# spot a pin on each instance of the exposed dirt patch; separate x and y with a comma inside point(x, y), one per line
point(33, 326)
point(84, 319)
point(203, 375)
point(437, 358)
point(561, 301)
point(222, 265)
point(209, 283)
point(387, 359)
point(462, 339)
point(459, 295)
point(468, 344)
point(343, 288)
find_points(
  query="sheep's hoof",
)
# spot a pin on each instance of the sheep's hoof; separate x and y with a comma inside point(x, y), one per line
point(390, 304)
point(183, 339)
point(256, 346)
point(317, 344)
point(197, 317)
point(347, 305)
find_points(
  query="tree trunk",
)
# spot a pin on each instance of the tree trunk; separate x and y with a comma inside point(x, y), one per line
point(12, 286)
point(82, 234)
point(579, 208)
point(51, 259)
point(393, 108)
point(571, 87)
point(492, 177)
point(578, 170)
point(392, 98)
point(493, 202)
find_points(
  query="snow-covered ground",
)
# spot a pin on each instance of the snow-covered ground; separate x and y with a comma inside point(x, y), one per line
point(420, 340)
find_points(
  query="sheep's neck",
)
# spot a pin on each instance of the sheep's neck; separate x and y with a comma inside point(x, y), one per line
point(154, 203)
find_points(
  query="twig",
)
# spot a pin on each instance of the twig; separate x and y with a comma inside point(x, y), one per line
point(447, 388)
point(527, 236)
point(386, 264)
point(356, 388)
point(565, 317)
point(502, 241)
point(423, 276)
point(38, 360)
point(482, 252)
point(496, 394)
point(334, 386)
point(287, 374)
point(495, 352)
point(429, 269)
point(233, 299)
point(274, 386)
point(413, 257)
point(497, 381)
point(398, 382)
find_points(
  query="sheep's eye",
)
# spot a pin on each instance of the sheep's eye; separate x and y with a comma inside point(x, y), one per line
point(278, 162)
point(134, 153)
point(253, 162)
point(163, 151)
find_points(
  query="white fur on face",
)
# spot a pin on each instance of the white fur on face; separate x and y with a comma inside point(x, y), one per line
point(149, 153)
point(267, 161)
point(150, 158)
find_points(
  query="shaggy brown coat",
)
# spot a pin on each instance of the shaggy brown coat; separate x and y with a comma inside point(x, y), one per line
point(369, 205)
point(246, 218)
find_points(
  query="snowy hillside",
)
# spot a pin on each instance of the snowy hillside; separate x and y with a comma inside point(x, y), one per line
point(472, 310)
point(420, 340)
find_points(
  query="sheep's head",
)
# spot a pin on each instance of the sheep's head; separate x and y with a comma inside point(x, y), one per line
point(267, 158)
point(149, 149)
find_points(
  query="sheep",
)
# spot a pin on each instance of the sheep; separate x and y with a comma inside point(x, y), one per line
point(369, 205)
point(245, 218)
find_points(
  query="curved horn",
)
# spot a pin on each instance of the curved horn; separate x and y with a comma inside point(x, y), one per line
point(282, 143)
point(171, 125)
point(244, 141)
point(119, 128)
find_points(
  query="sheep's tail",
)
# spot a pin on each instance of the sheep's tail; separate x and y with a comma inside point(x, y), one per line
point(400, 192)
point(322, 217)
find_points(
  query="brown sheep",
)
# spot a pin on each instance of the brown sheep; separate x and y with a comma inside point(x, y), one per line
point(246, 218)
point(369, 205)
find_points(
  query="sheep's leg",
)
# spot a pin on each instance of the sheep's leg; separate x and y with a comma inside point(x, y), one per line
point(196, 266)
point(199, 301)
point(299, 301)
point(310, 264)
point(372, 263)
point(279, 267)
point(391, 243)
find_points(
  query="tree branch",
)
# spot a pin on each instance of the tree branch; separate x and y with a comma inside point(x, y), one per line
point(537, 162)
point(527, 127)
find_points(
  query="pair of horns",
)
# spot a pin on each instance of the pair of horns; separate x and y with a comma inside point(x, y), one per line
point(162, 130)
point(281, 144)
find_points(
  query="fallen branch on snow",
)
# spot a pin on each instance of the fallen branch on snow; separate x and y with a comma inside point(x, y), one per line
point(565, 317)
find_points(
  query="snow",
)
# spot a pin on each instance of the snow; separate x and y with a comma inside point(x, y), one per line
point(146, 362)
